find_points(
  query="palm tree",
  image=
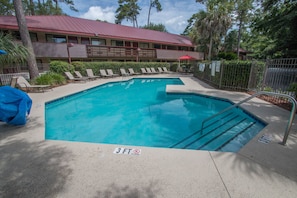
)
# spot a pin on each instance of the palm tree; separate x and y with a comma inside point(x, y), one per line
point(15, 53)
point(213, 24)
point(153, 4)
point(32, 65)
point(128, 9)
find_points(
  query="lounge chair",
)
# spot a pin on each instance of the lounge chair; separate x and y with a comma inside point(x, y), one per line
point(24, 85)
point(123, 72)
point(131, 72)
point(143, 71)
point(154, 71)
point(104, 74)
point(78, 74)
point(165, 70)
point(73, 79)
point(110, 72)
point(148, 70)
point(160, 70)
point(91, 74)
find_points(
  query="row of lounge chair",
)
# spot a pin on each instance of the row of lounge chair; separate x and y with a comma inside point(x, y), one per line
point(109, 73)
point(23, 84)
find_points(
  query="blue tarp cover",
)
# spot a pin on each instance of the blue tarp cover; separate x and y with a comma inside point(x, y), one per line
point(15, 105)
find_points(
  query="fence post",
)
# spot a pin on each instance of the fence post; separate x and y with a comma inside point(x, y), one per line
point(265, 74)
point(221, 74)
point(251, 74)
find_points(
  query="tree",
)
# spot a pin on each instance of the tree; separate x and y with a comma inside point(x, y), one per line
point(153, 4)
point(36, 7)
point(213, 23)
point(6, 7)
point(242, 8)
point(16, 53)
point(32, 65)
point(230, 42)
point(128, 9)
point(278, 21)
point(158, 27)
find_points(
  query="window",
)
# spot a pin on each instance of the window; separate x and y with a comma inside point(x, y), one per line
point(72, 39)
point(33, 37)
point(157, 46)
point(171, 47)
point(143, 45)
point(55, 38)
point(85, 41)
point(117, 43)
point(96, 41)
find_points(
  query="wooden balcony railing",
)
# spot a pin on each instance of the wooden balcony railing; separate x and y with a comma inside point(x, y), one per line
point(94, 51)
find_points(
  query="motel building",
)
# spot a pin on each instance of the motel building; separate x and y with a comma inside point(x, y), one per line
point(64, 37)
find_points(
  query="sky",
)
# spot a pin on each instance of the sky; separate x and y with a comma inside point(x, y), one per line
point(174, 14)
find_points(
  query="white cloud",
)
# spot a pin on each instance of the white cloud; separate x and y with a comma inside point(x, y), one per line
point(103, 14)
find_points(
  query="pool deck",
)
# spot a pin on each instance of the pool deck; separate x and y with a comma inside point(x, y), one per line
point(31, 166)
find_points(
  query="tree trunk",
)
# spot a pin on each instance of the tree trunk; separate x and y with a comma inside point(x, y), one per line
point(32, 66)
point(149, 14)
point(210, 46)
point(239, 36)
point(32, 8)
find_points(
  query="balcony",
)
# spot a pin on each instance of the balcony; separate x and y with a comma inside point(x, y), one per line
point(119, 52)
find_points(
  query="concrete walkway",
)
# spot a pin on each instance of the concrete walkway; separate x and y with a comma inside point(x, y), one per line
point(31, 166)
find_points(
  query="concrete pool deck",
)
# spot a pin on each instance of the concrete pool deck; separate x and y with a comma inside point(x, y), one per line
point(31, 166)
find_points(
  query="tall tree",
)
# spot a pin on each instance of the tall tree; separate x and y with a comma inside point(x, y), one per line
point(32, 65)
point(158, 27)
point(37, 7)
point(277, 19)
point(242, 9)
point(6, 7)
point(213, 23)
point(128, 9)
point(153, 4)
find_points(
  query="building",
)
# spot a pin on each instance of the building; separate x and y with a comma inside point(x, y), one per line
point(75, 39)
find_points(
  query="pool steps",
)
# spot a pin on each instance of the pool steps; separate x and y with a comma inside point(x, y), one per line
point(221, 132)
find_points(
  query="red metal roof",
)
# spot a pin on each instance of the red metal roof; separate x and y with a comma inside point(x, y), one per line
point(79, 26)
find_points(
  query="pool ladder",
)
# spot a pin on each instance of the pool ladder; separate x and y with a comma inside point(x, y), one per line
point(290, 121)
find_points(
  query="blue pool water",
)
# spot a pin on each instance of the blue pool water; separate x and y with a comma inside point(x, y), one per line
point(136, 112)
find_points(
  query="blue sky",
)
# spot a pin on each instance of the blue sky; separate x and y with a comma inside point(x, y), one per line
point(174, 15)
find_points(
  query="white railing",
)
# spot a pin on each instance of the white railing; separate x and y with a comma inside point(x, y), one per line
point(5, 79)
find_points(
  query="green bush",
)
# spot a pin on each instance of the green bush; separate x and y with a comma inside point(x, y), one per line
point(80, 66)
point(227, 55)
point(293, 88)
point(60, 67)
point(50, 78)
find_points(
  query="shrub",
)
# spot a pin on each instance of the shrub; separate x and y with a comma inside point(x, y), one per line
point(227, 55)
point(293, 88)
point(80, 66)
point(60, 67)
point(50, 78)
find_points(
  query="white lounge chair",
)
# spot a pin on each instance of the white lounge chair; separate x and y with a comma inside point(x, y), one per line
point(160, 70)
point(73, 79)
point(24, 85)
point(123, 72)
point(165, 70)
point(78, 74)
point(110, 72)
point(103, 73)
point(131, 71)
point(153, 70)
point(91, 74)
point(143, 71)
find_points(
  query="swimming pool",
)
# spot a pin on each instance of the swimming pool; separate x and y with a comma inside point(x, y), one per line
point(138, 112)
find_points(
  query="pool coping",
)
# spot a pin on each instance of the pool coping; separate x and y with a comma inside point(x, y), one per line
point(33, 166)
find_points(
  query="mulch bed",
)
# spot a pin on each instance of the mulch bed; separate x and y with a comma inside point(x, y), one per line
point(285, 104)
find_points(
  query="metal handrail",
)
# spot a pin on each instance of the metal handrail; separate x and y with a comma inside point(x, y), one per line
point(290, 121)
